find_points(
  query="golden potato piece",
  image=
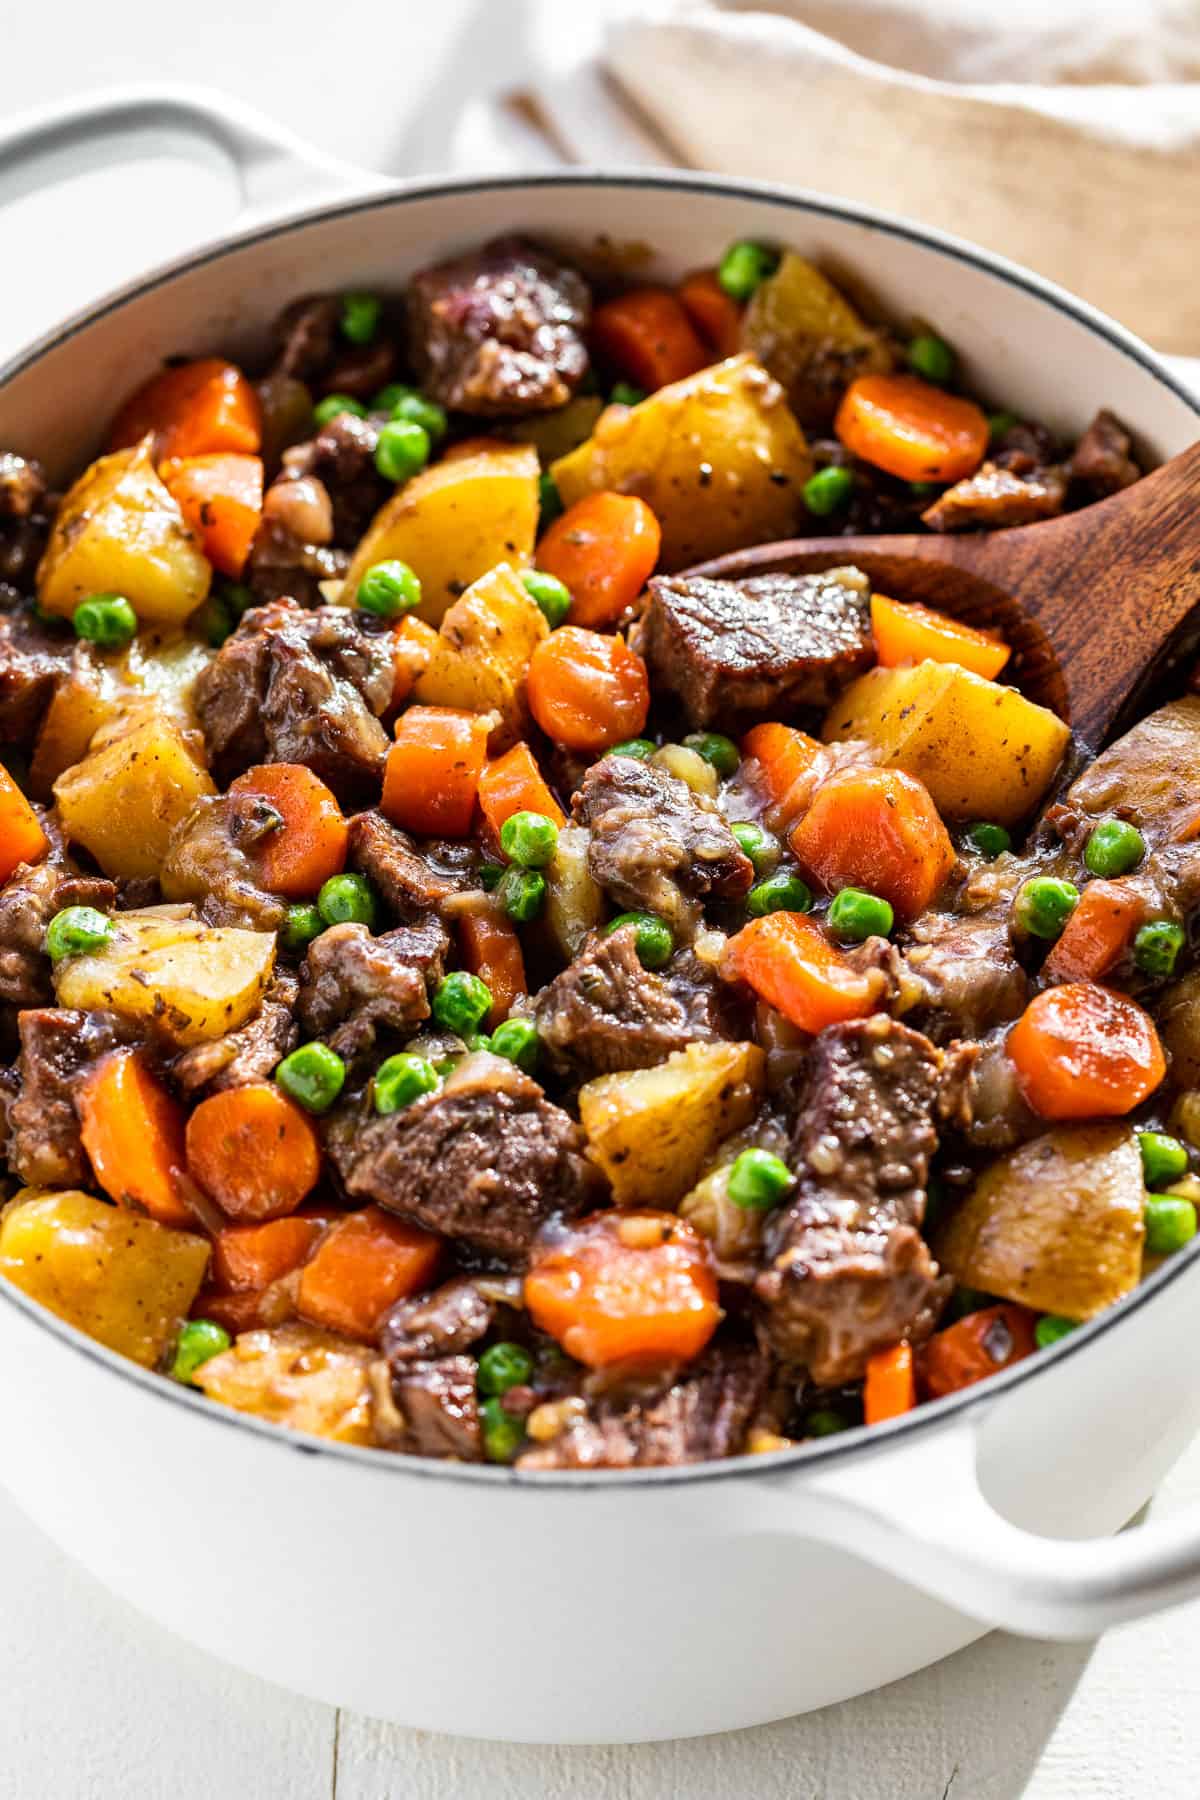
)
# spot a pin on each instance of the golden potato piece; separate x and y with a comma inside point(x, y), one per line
point(574, 900)
point(1179, 1028)
point(811, 339)
point(188, 980)
point(136, 782)
point(481, 658)
point(653, 1130)
point(982, 750)
point(125, 1280)
point(299, 1376)
point(119, 531)
point(718, 458)
point(1057, 1224)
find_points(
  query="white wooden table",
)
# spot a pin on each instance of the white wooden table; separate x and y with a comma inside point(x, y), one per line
point(99, 1705)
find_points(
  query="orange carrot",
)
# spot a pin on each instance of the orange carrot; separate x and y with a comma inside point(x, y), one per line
point(603, 549)
point(784, 757)
point(22, 839)
point(365, 1262)
point(512, 784)
point(790, 963)
point(890, 1388)
point(491, 949)
point(133, 1133)
point(254, 1151)
point(311, 845)
point(649, 337)
point(431, 780)
point(1097, 933)
point(192, 409)
point(876, 829)
point(915, 633)
point(221, 497)
point(977, 1346)
point(635, 1288)
point(911, 429)
point(1084, 1052)
point(716, 317)
point(412, 646)
point(247, 1258)
point(586, 691)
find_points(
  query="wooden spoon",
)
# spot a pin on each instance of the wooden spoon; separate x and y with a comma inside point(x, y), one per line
point(1093, 603)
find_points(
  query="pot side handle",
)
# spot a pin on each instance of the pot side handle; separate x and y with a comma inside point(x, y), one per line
point(919, 1513)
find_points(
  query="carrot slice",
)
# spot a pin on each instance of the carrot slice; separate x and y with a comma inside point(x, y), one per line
point(192, 409)
point(1097, 933)
point(133, 1133)
point(412, 646)
point(254, 1151)
point(1084, 1052)
point(603, 549)
point(890, 1388)
point(221, 497)
point(311, 845)
point(512, 784)
point(716, 317)
point(247, 1258)
point(649, 337)
point(784, 756)
point(915, 633)
point(431, 780)
point(911, 429)
point(877, 829)
point(491, 949)
point(790, 963)
point(979, 1345)
point(22, 839)
point(586, 691)
point(365, 1262)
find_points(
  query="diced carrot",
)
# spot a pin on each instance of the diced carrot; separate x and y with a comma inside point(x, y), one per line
point(890, 1388)
point(365, 1262)
point(911, 429)
point(512, 784)
point(980, 1345)
point(876, 829)
point(649, 337)
point(221, 497)
point(133, 1133)
point(716, 317)
point(22, 839)
point(431, 781)
point(586, 691)
point(253, 1151)
point(1097, 933)
point(412, 646)
point(790, 963)
point(192, 409)
point(491, 949)
point(915, 633)
point(603, 549)
point(249, 1257)
point(635, 1288)
point(311, 844)
point(1084, 1052)
point(784, 756)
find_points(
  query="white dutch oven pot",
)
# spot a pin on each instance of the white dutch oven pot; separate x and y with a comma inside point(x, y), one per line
point(591, 1607)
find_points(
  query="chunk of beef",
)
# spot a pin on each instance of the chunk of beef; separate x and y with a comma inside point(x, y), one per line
point(849, 1272)
point(34, 659)
point(438, 1413)
point(293, 550)
point(606, 1012)
point(655, 845)
point(342, 458)
point(1102, 460)
point(24, 519)
point(499, 330)
point(249, 1054)
point(996, 496)
point(413, 879)
point(1147, 775)
point(732, 651)
point(699, 1416)
point(967, 977)
point(28, 901)
point(208, 860)
point(298, 686)
point(487, 1160)
point(453, 1318)
point(995, 1116)
point(45, 1148)
point(306, 333)
point(353, 985)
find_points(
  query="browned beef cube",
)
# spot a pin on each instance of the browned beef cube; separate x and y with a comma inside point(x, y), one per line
point(354, 986)
point(413, 878)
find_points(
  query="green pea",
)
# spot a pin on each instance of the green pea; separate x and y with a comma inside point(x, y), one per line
point(503, 1366)
point(1156, 947)
point(477, 1040)
point(522, 893)
point(214, 621)
point(388, 398)
point(552, 595)
point(826, 1421)
point(389, 589)
point(106, 620)
point(827, 491)
point(988, 839)
point(932, 358)
point(461, 1002)
point(238, 597)
point(301, 924)
point(1114, 848)
point(1170, 1224)
point(76, 931)
point(361, 314)
point(720, 751)
point(758, 1180)
point(402, 450)
point(641, 749)
point(1164, 1158)
point(782, 892)
point(490, 875)
point(502, 1434)
point(1043, 906)
point(198, 1342)
point(529, 838)
point(761, 846)
point(333, 405)
point(518, 1041)
point(550, 505)
point(402, 1079)
point(347, 899)
point(1000, 424)
point(744, 267)
point(1051, 1329)
point(653, 943)
point(856, 915)
point(417, 410)
point(625, 394)
point(313, 1076)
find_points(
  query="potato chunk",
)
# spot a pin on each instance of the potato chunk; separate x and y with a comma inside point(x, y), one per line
point(100, 688)
point(982, 750)
point(481, 658)
point(811, 339)
point(119, 530)
point(1056, 1225)
point(718, 458)
point(127, 1281)
point(574, 899)
point(188, 980)
point(299, 1376)
point(453, 522)
point(653, 1130)
point(136, 782)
